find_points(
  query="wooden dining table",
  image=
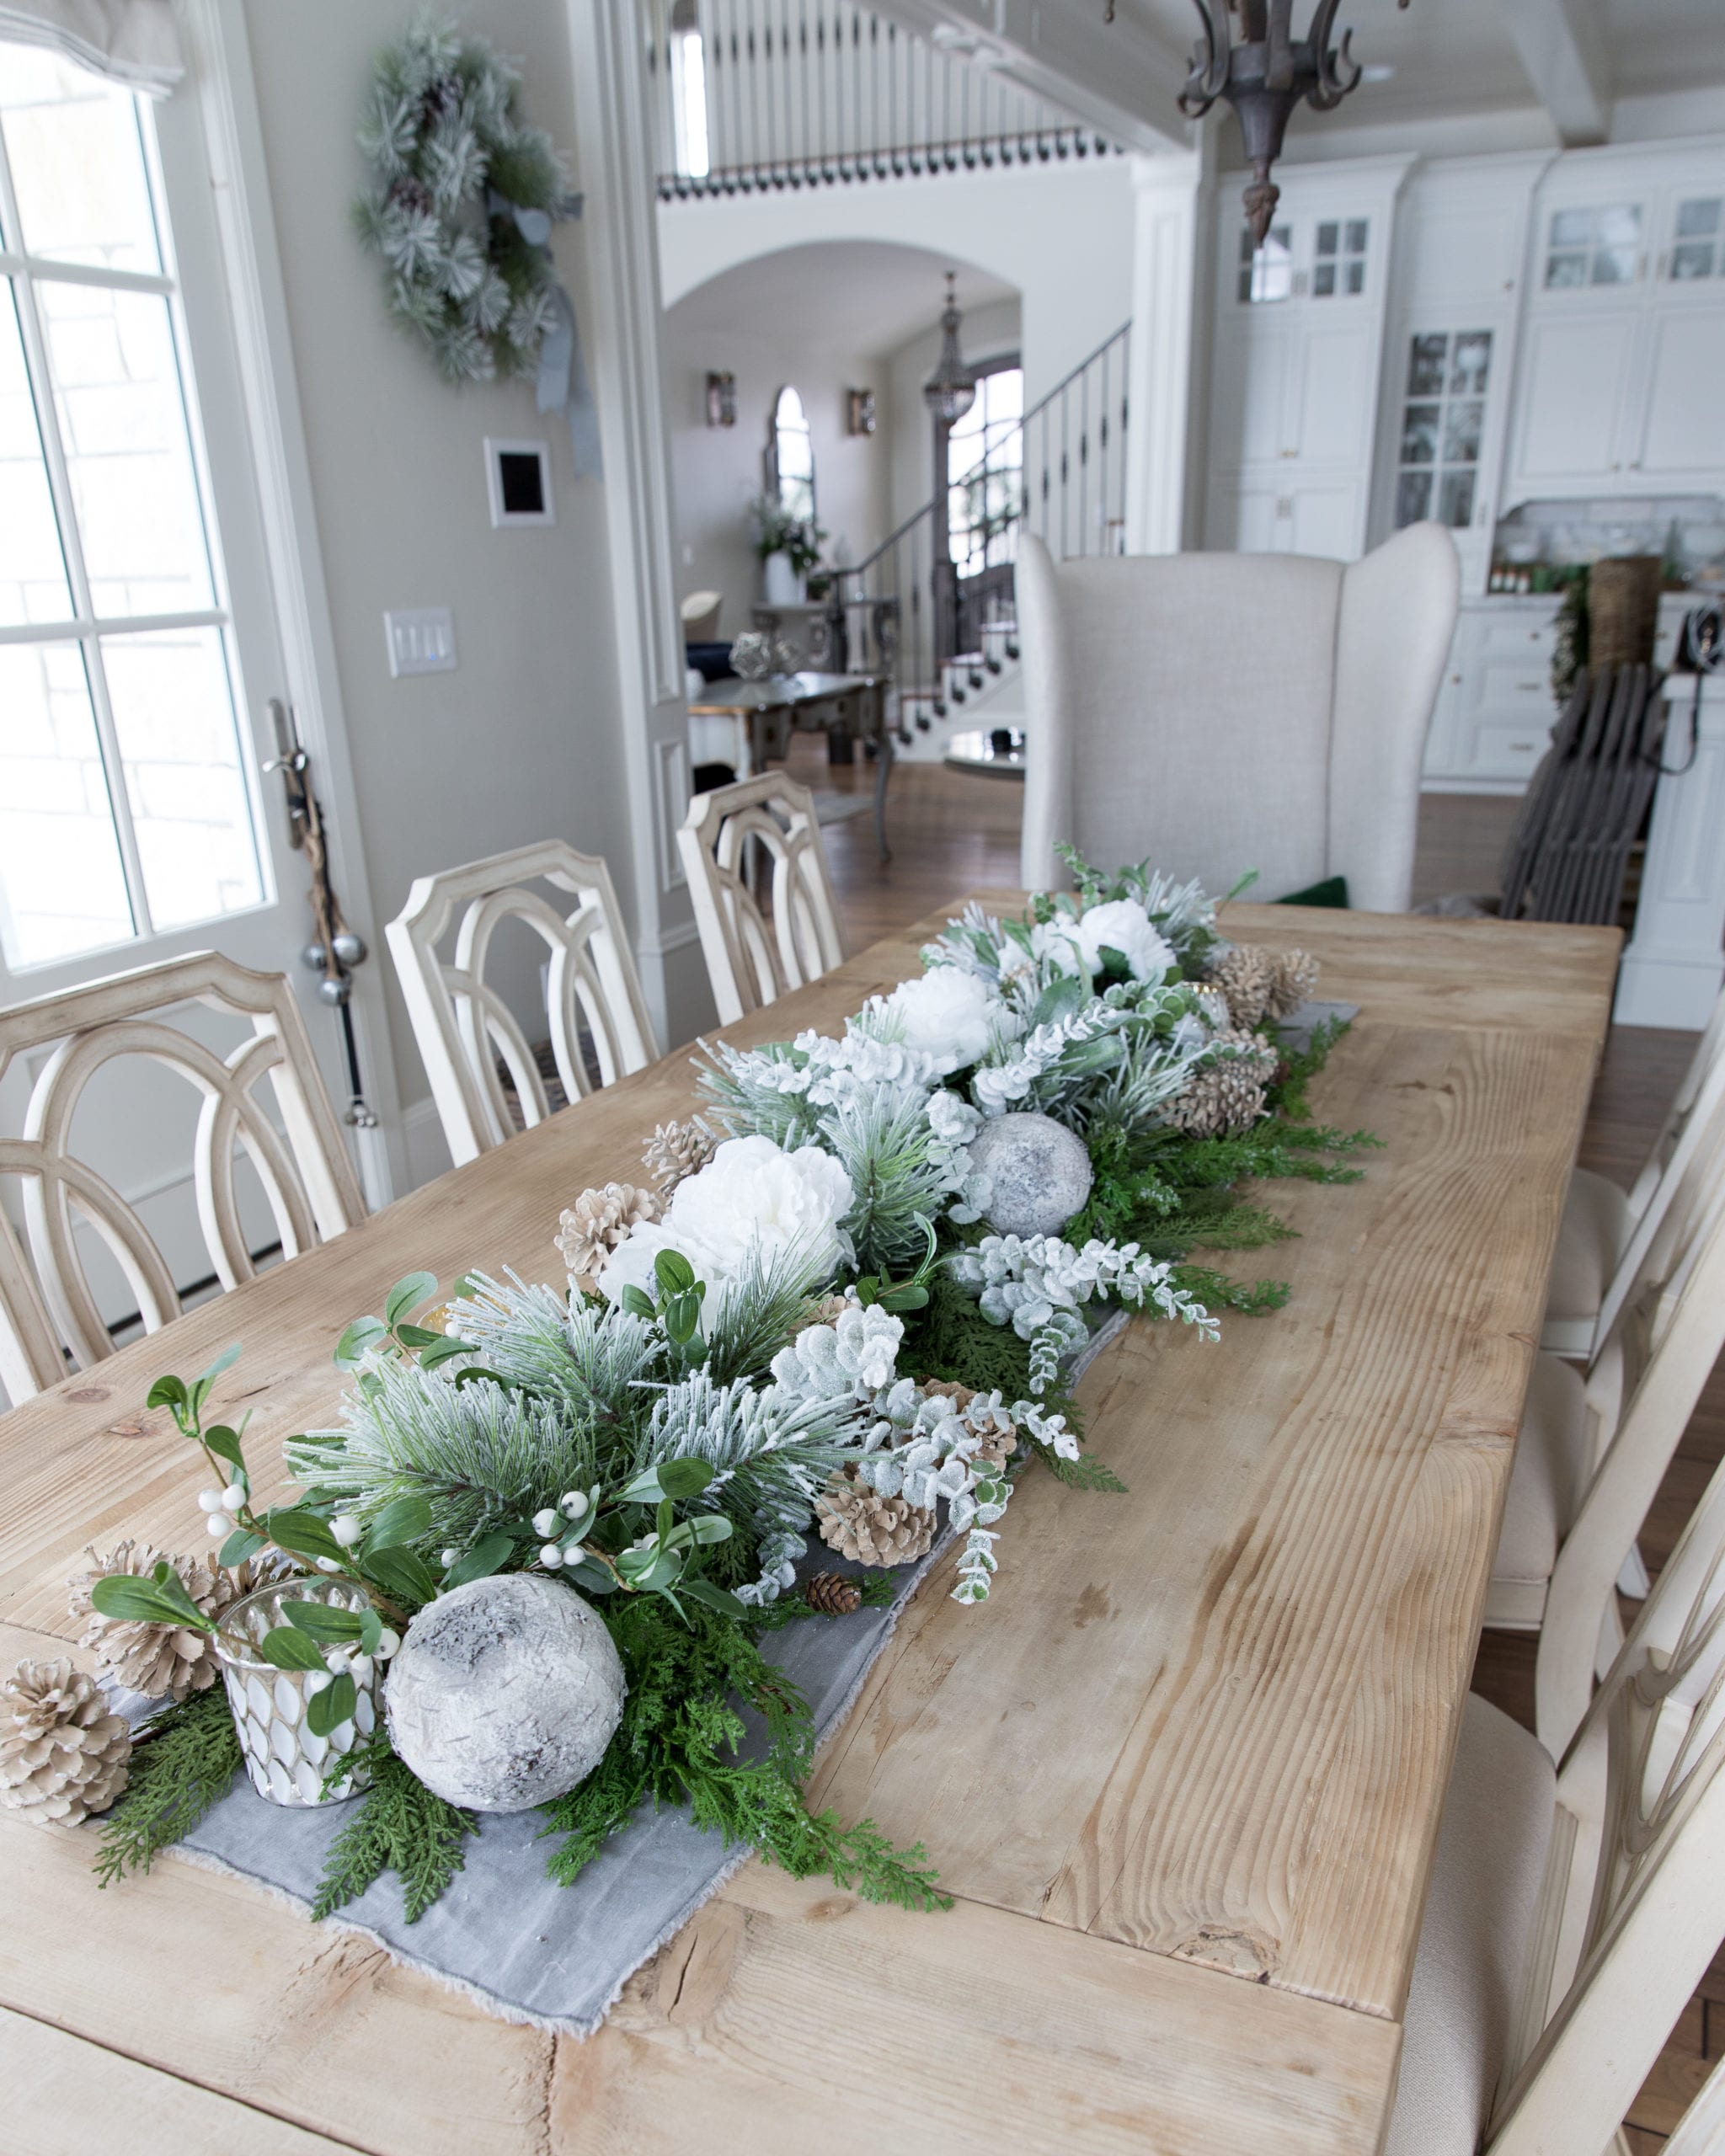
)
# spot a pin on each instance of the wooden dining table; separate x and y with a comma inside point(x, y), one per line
point(1182, 1772)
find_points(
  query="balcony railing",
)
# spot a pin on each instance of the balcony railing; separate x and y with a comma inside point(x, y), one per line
point(751, 95)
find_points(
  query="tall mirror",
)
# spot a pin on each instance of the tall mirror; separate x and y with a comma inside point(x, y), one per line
point(790, 457)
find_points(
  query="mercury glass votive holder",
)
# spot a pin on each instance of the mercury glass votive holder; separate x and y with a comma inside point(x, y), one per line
point(286, 1761)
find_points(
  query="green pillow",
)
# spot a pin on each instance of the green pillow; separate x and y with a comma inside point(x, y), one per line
point(1332, 892)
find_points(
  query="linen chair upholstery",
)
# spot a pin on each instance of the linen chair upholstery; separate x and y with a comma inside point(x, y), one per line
point(50, 1320)
point(1218, 712)
point(461, 1023)
point(752, 960)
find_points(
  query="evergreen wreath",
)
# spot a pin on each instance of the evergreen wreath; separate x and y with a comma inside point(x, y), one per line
point(462, 211)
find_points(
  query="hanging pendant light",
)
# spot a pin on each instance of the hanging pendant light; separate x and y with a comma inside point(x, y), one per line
point(1263, 77)
point(950, 392)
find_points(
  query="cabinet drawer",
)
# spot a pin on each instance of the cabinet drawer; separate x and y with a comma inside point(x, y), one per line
point(1504, 689)
point(1518, 636)
point(1508, 751)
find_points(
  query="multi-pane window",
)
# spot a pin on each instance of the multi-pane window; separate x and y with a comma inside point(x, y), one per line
point(1266, 272)
point(986, 474)
point(1595, 246)
point(1698, 246)
point(1338, 258)
point(125, 807)
point(1443, 421)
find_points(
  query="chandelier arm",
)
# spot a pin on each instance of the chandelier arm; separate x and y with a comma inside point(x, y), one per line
point(1335, 69)
point(1278, 58)
point(1209, 74)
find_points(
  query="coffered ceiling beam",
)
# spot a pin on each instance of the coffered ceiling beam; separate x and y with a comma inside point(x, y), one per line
point(1562, 47)
point(1118, 77)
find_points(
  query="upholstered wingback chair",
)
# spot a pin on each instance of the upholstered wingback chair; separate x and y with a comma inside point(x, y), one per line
point(1218, 712)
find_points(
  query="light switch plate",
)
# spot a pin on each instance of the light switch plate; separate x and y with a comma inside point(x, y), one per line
point(421, 640)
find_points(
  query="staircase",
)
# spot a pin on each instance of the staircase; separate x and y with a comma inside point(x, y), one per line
point(756, 95)
point(932, 608)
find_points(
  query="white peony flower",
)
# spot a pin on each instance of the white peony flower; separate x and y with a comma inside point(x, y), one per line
point(1123, 926)
point(752, 1204)
point(950, 1016)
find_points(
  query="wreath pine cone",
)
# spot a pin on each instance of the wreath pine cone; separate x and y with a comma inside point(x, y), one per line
point(676, 1151)
point(591, 1228)
point(62, 1754)
point(869, 1529)
point(996, 1447)
point(832, 1594)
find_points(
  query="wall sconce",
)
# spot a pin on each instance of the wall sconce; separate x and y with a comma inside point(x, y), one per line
point(859, 412)
point(721, 400)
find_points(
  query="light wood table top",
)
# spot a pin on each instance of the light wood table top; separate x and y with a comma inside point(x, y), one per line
point(1184, 1771)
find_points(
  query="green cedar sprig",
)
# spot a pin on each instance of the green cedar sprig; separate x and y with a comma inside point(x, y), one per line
point(678, 1743)
point(183, 1759)
point(400, 1826)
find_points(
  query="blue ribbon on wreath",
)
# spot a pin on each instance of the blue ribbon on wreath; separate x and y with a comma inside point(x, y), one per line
point(563, 385)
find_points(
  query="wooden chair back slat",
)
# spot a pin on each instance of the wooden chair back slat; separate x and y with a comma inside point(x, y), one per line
point(750, 960)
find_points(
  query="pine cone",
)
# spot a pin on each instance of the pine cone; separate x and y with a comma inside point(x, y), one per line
point(161, 1661)
point(832, 1594)
point(591, 1228)
point(997, 1445)
point(827, 1311)
point(676, 1152)
point(1246, 977)
point(62, 1755)
point(861, 1525)
point(1296, 978)
point(1227, 1096)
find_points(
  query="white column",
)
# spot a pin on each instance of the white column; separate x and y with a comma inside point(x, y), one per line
point(620, 332)
point(1673, 969)
point(1162, 459)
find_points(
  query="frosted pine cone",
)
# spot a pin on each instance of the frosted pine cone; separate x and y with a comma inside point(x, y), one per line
point(994, 1428)
point(677, 1150)
point(1227, 1096)
point(62, 1755)
point(860, 1524)
point(1246, 977)
point(161, 1661)
point(1296, 978)
point(591, 1228)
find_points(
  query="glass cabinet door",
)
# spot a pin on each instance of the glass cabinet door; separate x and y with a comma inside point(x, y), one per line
point(1598, 243)
point(1443, 426)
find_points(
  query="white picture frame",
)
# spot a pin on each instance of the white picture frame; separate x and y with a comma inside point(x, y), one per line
point(510, 488)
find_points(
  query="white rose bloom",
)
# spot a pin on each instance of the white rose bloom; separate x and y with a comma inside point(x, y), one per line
point(1051, 941)
point(1123, 925)
point(751, 1204)
point(948, 1015)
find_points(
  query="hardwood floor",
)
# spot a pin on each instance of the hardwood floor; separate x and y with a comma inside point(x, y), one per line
point(952, 831)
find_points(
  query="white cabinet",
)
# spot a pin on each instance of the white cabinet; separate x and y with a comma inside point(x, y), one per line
point(1624, 346)
point(1297, 344)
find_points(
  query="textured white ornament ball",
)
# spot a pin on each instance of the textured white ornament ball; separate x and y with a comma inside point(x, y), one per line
point(504, 1693)
point(1040, 1172)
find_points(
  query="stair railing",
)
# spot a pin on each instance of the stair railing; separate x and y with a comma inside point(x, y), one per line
point(937, 620)
point(759, 94)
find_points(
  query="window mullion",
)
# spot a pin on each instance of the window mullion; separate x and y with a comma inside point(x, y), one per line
point(35, 351)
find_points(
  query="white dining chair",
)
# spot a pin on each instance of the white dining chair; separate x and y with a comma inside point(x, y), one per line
point(1586, 1472)
point(752, 960)
point(49, 1319)
point(1572, 1912)
point(462, 1024)
point(1607, 1232)
point(1222, 712)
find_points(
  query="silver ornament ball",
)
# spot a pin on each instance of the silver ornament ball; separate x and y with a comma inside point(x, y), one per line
point(504, 1693)
point(334, 989)
point(314, 958)
point(349, 948)
point(1039, 1171)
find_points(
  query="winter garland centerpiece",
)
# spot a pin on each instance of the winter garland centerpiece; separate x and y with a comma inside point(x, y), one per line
point(538, 1558)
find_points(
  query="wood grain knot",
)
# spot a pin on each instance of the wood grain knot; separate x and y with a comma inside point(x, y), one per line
point(1238, 1952)
point(134, 1426)
point(831, 1909)
point(86, 1395)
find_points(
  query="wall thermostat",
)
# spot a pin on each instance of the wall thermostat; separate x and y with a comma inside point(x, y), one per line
point(518, 480)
